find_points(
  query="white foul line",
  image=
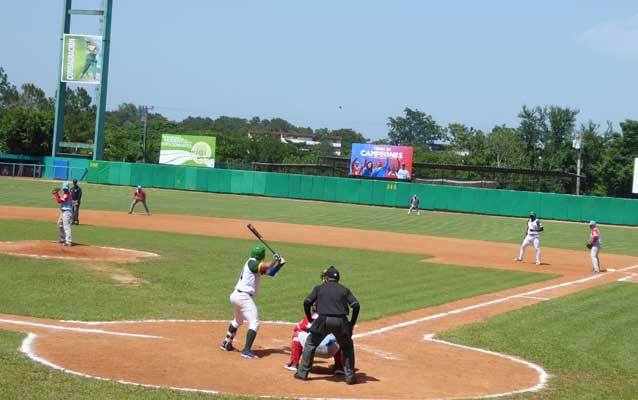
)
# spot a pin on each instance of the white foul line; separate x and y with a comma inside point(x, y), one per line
point(480, 305)
point(542, 374)
point(534, 297)
point(81, 330)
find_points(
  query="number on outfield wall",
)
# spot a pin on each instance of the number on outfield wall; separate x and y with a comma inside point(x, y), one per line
point(391, 186)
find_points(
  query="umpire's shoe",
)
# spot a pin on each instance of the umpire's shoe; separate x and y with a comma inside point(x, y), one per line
point(300, 377)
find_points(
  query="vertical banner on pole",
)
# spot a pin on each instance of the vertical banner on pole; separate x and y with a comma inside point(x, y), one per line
point(635, 188)
point(81, 59)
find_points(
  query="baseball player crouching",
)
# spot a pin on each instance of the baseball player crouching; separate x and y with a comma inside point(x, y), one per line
point(327, 348)
point(242, 298)
point(532, 236)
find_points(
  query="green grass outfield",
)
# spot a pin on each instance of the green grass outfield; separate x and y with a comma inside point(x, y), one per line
point(193, 279)
point(586, 341)
point(35, 193)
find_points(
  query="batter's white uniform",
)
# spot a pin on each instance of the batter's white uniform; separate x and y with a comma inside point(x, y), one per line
point(533, 238)
point(244, 307)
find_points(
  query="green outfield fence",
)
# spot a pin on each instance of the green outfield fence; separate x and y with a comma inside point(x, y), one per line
point(371, 192)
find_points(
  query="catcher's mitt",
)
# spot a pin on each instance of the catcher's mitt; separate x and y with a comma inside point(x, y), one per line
point(56, 190)
point(589, 245)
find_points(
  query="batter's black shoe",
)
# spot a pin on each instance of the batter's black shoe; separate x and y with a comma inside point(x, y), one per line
point(225, 346)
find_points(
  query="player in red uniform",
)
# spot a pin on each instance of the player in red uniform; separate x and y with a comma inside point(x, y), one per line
point(328, 347)
point(139, 196)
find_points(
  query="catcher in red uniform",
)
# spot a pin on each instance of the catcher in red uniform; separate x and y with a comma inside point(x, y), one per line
point(328, 347)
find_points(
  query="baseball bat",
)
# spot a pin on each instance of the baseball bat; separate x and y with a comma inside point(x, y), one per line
point(261, 238)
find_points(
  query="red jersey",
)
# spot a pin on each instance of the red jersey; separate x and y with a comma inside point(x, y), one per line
point(303, 326)
point(595, 235)
point(139, 194)
point(66, 196)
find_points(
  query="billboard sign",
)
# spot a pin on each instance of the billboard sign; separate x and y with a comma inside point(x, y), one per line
point(635, 188)
point(81, 59)
point(196, 151)
point(381, 161)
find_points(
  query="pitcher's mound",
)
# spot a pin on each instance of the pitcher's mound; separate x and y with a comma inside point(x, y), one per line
point(47, 249)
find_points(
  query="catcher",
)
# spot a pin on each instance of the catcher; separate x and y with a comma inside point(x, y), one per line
point(594, 245)
point(66, 213)
point(326, 349)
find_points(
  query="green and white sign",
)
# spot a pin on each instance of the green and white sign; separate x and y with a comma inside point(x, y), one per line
point(81, 59)
point(198, 151)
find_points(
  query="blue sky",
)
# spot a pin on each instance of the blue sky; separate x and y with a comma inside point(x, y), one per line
point(472, 62)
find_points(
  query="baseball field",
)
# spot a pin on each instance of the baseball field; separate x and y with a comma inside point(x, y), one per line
point(137, 309)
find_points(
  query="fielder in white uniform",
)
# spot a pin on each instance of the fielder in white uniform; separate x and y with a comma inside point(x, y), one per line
point(532, 236)
point(242, 298)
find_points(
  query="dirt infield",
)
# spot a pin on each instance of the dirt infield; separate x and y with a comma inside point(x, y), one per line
point(395, 356)
point(52, 250)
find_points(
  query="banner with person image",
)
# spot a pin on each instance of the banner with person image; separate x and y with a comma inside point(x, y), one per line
point(81, 59)
point(381, 161)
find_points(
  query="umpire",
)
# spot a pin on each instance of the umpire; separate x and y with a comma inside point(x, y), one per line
point(333, 301)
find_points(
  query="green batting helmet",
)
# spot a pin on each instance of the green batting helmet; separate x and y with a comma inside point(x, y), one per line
point(258, 252)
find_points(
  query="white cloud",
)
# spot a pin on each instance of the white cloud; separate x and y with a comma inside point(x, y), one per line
point(617, 37)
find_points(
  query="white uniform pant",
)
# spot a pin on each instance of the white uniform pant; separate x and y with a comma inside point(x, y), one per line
point(594, 257)
point(64, 226)
point(536, 241)
point(244, 309)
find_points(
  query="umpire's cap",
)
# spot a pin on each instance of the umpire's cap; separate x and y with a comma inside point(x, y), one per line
point(332, 273)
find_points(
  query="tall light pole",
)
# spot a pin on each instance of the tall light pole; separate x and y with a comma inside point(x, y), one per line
point(145, 119)
point(578, 145)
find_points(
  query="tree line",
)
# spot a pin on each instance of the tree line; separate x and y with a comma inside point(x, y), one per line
point(542, 140)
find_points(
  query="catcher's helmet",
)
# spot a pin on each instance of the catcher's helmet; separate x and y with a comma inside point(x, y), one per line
point(331, 273)
point(258, 252)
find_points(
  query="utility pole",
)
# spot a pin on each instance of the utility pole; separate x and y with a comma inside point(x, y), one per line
point(145, 119)
point(578, 145)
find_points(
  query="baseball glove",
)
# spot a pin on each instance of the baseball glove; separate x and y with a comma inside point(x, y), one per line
point(589, 245)
point(56, 190)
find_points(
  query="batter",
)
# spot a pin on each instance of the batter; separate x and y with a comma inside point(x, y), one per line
point(242, 298)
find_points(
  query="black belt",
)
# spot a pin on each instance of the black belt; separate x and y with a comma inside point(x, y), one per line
point(250, 294)
point(334, 315)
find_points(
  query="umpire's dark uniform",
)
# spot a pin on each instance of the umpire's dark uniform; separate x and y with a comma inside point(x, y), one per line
point(333, 302)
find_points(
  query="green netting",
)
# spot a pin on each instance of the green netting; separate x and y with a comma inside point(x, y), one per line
point(238, 184)
point(365, 191)
point(180, 178)
point(191, 178)
point(277, 185)
point(330, 189)
point(294, 186)
point(391, 189)
point(259, 183)
point(201, 182)
point(378, 193)
point(163, 176)
point(305, 187)
point(318, 187)
point(347, 190)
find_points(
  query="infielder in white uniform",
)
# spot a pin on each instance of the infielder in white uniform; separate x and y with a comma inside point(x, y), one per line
point(532, 236)
point(242, 298)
